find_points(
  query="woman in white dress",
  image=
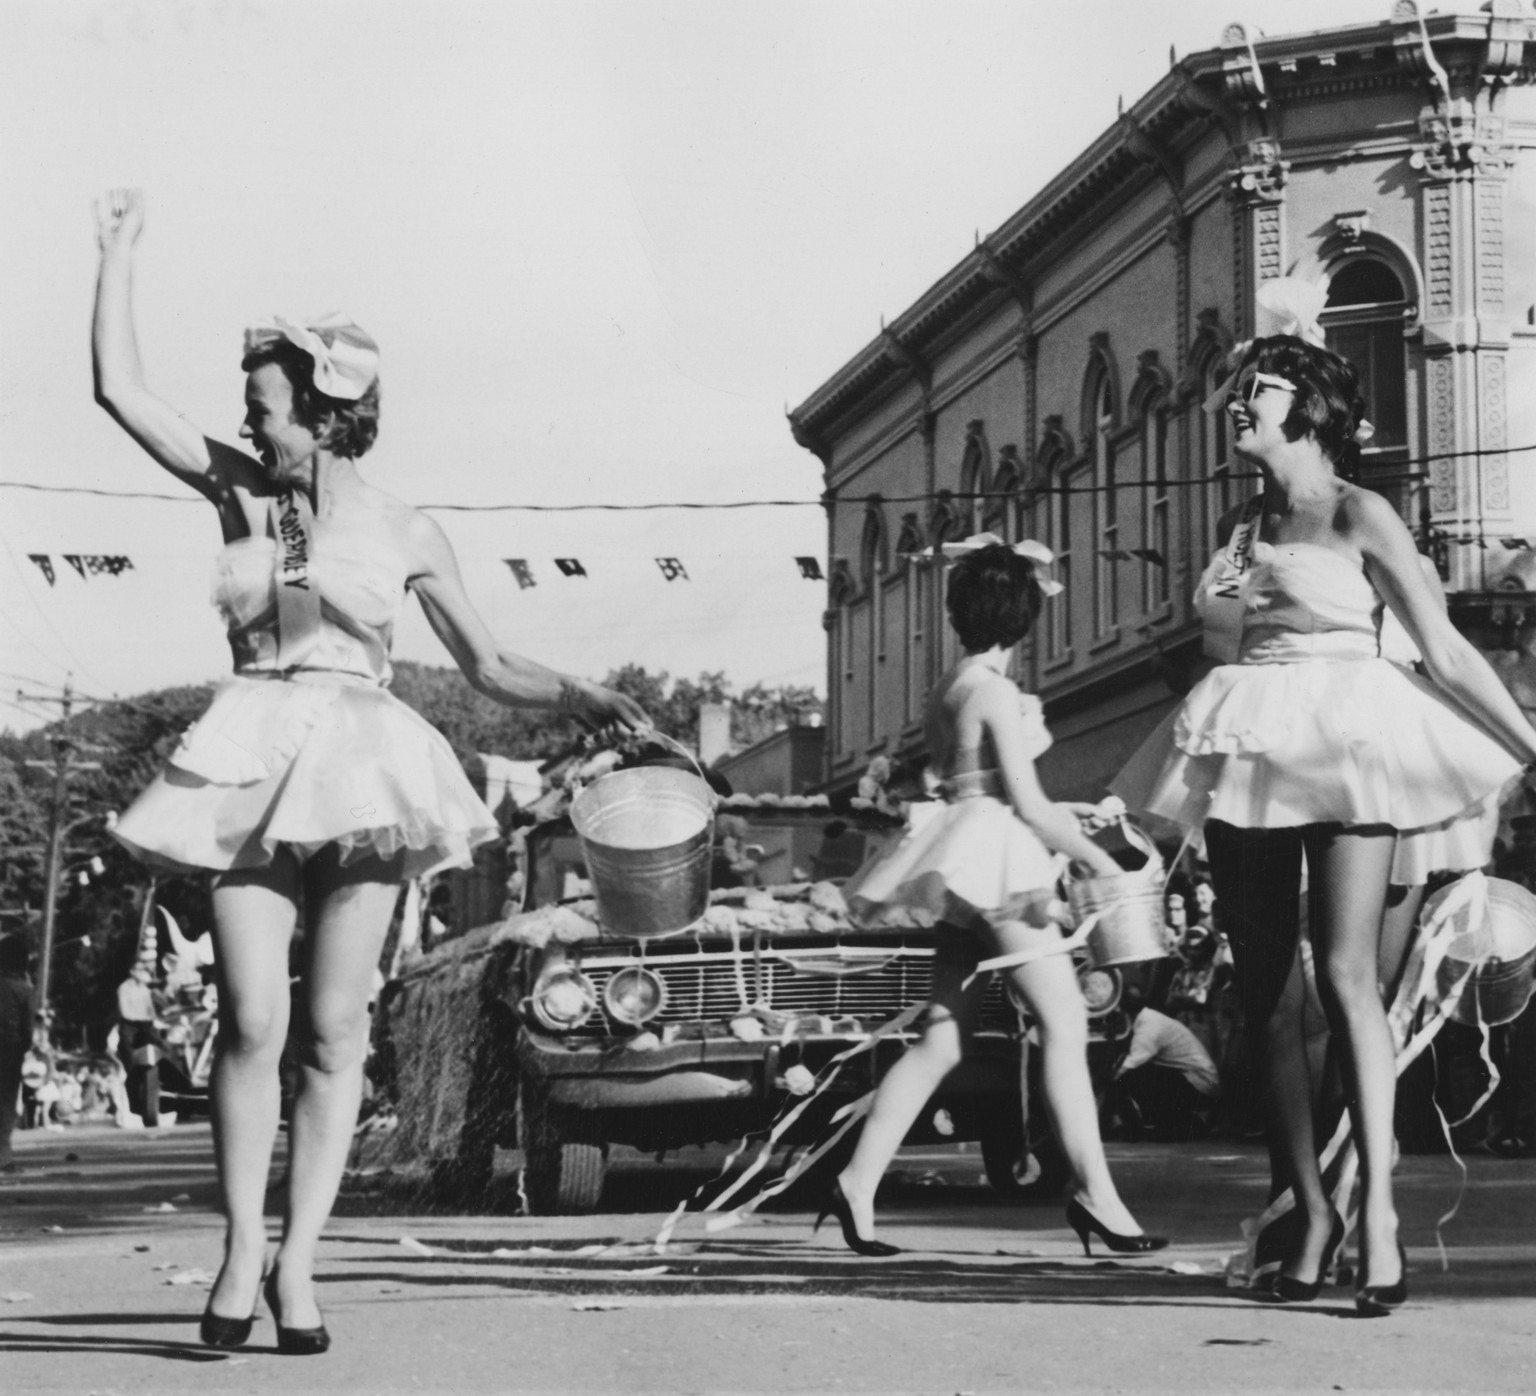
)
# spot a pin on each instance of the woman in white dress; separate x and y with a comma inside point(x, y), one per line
point(981, 870)
point(1309, 741)
point(306, 783)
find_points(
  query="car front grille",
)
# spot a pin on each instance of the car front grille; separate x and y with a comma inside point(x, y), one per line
point(718, 986)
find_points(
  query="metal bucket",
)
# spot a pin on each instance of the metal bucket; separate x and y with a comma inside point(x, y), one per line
point(1501, 955)
point(1132, 923)
point(647, 835)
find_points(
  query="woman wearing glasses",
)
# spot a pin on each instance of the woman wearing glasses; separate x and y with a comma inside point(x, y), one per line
point(1306, 741)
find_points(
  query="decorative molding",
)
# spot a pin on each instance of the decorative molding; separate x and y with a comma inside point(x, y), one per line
point(1438, 287)
point(1460, 142)
point(1441, 406)
point(1029, 352)
point(1489, 207)
point(1493, 431)
point(1268, 255)
point(1260, 175)
point(1350, 228)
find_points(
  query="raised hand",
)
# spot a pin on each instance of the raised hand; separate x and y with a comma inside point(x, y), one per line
point(119, 218)
point(612, 713)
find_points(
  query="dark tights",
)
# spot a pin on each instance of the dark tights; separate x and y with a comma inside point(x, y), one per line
point(1257, 879)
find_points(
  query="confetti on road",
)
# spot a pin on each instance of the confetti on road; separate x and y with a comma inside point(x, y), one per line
point(415, 1247)
point(191, 1277)
point(594, 1306)
point(1187, 1267)
point(164, 1207)
point(52, 1230)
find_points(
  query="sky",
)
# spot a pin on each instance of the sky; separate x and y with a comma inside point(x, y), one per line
point(604, 245)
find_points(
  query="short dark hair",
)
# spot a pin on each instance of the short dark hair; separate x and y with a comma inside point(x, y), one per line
point(993, 597)
point(1329, 405)
point(345, 428)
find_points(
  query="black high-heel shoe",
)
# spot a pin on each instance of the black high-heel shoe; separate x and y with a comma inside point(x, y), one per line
point(216, 1331)
point(294, 1342)
point(1082, 1221)
point(1289, 1290)
point(1377, 1301)
point(837, 1206)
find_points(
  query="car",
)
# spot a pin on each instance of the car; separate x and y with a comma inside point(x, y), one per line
point(563, 1037)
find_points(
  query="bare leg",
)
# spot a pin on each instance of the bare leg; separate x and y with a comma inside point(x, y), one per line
point(253, 920)
point(909, 1085)
point(349, 912)
point(1349, 886)
point(1257, 876)
point(1050, 988)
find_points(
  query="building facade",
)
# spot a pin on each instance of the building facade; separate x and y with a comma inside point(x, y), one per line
point(1051, 383)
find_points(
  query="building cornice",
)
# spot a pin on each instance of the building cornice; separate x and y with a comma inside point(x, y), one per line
point(1233, 87)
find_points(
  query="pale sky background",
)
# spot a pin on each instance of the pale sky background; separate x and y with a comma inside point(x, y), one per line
point(603, 246)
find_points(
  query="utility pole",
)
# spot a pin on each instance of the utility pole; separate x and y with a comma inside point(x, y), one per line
point(62, 767)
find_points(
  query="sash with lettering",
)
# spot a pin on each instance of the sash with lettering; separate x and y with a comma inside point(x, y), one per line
point(1223, 609)
point(298, 600)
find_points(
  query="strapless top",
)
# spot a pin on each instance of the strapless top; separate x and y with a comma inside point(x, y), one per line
point(974, 772)
point(1305, 601)
point(362, 585)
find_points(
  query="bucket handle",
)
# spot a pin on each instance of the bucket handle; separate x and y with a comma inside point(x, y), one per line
point(657, 735)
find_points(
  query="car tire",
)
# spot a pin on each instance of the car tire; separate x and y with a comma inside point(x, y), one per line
point(562, 1175)
point(151, 1096)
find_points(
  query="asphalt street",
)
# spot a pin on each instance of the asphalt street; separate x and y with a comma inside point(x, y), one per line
point(108, 1241)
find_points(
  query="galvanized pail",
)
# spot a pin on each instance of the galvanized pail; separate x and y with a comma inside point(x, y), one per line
point(646, 834)
point(1131, 923)
point(1501, 954)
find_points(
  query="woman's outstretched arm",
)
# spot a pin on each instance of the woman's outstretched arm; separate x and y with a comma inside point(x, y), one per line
point(507, 678)
point(1452, 661)
point(119, 376)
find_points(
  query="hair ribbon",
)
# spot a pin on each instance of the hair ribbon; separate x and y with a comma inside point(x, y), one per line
point(1036, 552)
point(346, 358)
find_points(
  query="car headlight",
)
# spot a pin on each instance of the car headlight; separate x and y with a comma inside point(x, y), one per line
point(1101, 989)
point(564, 999)
point(634, 995)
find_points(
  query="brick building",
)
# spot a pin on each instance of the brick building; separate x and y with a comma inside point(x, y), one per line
point(1050, 383)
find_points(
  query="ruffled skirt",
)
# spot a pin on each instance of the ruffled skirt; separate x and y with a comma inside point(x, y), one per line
point(971, 864)
point(302, 764)
point(1354, 742)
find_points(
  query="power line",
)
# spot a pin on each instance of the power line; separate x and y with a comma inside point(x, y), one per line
point(1400, 473)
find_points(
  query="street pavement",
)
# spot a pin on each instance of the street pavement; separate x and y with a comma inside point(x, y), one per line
point(107, 1241)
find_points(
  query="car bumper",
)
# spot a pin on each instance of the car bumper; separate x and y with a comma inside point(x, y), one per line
point(606, 1076)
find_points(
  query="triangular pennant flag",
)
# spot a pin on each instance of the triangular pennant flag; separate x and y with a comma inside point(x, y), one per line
point(45, 562)
point(810, 568)
point(77, 562)
point(570, 567)
point(112, 565)
point(521, 571)
point(1149, 555)
point(1515, 544)
point(672, 569)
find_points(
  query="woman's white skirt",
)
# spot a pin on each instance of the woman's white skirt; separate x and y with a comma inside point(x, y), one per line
point(303, 763)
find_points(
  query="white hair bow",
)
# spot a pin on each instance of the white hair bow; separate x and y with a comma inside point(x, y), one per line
point(345, 355)
point(1289, 305)
point(1036, 552)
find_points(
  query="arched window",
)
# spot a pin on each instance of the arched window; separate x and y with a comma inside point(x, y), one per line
point(874, 565)
point(946, 525)
point(1053, 527)
point(1000, 515)
point(1099, 423)
point(975, 477)
point(1364, 319)
point(1149, 405)
point(1208, 430)
point(917, 572)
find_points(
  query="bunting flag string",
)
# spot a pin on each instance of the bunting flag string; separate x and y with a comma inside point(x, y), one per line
point(88, 565)
point(521, 571)
point(570, 567)
point(672, 569)
point(810, 568)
